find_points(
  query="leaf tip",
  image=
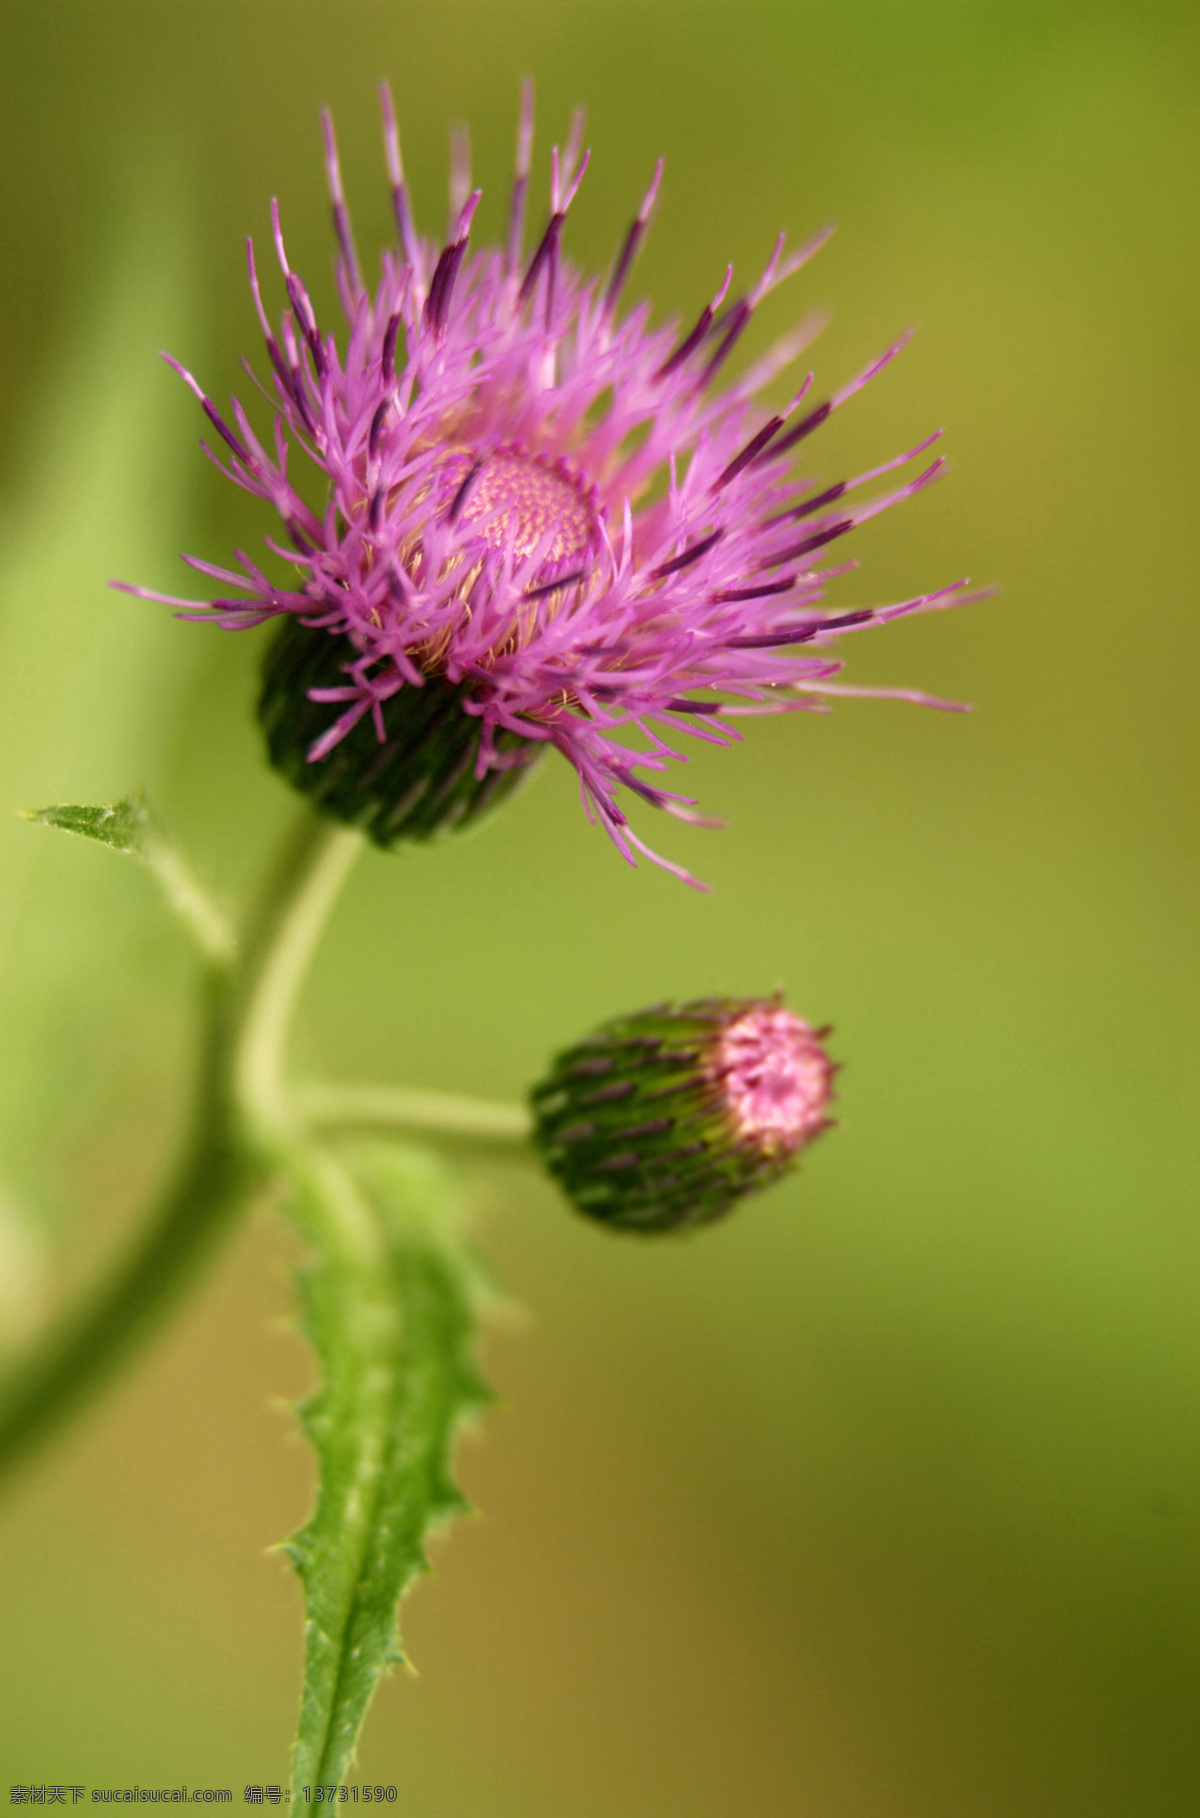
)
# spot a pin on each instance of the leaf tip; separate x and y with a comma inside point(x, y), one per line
point(125, 825)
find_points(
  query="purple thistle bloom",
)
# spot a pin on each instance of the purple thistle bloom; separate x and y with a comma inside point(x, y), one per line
point(541, 502)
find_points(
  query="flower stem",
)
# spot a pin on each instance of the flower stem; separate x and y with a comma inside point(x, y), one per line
point(476, 1122)
point(239, 1114)
point(311, 875)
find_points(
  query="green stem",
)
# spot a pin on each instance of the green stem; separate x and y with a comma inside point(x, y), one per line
point(286, 942)
point(329, 1207)
point(204, 920)
point(476, 1122)
point(238, 1117)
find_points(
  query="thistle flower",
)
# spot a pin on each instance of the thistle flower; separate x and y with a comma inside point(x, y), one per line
point(662, 1120)
point(542, 526)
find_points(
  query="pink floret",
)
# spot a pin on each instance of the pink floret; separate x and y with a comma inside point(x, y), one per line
point(776, 1079)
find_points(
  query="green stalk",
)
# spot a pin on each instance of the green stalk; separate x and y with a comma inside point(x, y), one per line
point(475, 1123)
point(248, 994)
point(271, 1122)
point(389, 1293)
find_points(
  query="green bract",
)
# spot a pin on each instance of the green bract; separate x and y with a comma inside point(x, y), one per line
point(421, 782)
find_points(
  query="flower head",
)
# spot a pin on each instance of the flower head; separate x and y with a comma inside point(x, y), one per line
point(662, 1120)
point(540, 515)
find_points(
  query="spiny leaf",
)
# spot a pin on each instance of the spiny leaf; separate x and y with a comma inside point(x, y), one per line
point(393, 1325)
point(126, 826)
point(129, 826)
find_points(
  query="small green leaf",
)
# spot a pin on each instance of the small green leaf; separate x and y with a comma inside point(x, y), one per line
point(393, 1323)
point(126, 826)
point(129, 826)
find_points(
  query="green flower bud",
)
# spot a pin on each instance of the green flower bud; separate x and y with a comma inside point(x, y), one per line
point(661, 1120)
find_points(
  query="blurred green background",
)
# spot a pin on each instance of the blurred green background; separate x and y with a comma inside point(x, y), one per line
point(883, 1500)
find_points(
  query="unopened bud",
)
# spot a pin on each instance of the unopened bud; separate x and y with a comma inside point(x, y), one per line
point(661, 1120)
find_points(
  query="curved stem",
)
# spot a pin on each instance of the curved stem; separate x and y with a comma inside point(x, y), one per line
point(476, 1122)
point(212, 1179)
point(322, 859)
point(239, 1114)
point(325, 1199)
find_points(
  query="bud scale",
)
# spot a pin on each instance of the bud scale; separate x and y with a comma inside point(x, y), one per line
point(420, 781)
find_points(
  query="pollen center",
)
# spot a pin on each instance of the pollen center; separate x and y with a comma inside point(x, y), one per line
point(538, 503)
point(776, 1078)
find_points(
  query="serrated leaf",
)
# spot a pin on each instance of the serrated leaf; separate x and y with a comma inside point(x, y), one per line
point(393, 1324)
point(126, 826)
